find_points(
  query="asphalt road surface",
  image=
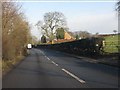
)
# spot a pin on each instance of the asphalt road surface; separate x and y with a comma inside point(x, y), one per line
point(45, 68)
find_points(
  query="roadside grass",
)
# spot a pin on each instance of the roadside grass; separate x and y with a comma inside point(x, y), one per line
point(111, 44)
point(9, 64)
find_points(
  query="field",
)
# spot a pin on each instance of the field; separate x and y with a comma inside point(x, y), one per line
point(111, 44)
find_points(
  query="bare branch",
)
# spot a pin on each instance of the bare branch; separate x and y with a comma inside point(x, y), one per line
point(52, 21)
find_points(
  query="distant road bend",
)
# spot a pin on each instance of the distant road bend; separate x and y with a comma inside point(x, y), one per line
point(45, 68)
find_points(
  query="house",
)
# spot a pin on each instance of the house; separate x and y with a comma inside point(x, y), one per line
point(67, 38)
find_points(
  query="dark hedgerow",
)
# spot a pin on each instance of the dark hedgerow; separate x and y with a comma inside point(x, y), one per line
point(89, 46)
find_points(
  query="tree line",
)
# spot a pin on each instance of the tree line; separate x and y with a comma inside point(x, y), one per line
point(15, 31)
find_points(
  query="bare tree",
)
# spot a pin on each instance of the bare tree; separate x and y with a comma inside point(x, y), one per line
point(84, 34)
point(34, 40)
point(52, 21)
point(9, 11)
point(15, 31)
point(96, 34)
point(118, 6)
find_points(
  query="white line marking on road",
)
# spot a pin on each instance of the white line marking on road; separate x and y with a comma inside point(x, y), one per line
point(78, 79)
point(54, 63)
point(45, 56)
point(42, 53)
point(48, 58)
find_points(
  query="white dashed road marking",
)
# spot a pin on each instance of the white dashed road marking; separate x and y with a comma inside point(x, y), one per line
point(78, 79)
point(66, 71)
point(53, 62)
point(42, 53)
point(48, 58)
point(56, 64)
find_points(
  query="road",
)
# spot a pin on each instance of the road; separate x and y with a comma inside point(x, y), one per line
point(45, 68)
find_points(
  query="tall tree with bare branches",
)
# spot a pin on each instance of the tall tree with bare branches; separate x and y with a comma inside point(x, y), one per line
point(52, 21)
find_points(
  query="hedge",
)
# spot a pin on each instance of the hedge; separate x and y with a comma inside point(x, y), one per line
point(89, 46)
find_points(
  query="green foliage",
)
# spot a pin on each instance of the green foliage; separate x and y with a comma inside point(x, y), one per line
point(43, 39)
point(77, 36)
point(60, 33)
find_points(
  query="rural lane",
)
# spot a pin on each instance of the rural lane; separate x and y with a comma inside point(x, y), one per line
point(44, 68)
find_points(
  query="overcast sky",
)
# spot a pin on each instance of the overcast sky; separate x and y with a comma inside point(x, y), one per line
point(93, 17)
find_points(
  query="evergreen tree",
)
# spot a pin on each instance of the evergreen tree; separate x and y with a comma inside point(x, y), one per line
point(60, 33)
point(43, 39)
